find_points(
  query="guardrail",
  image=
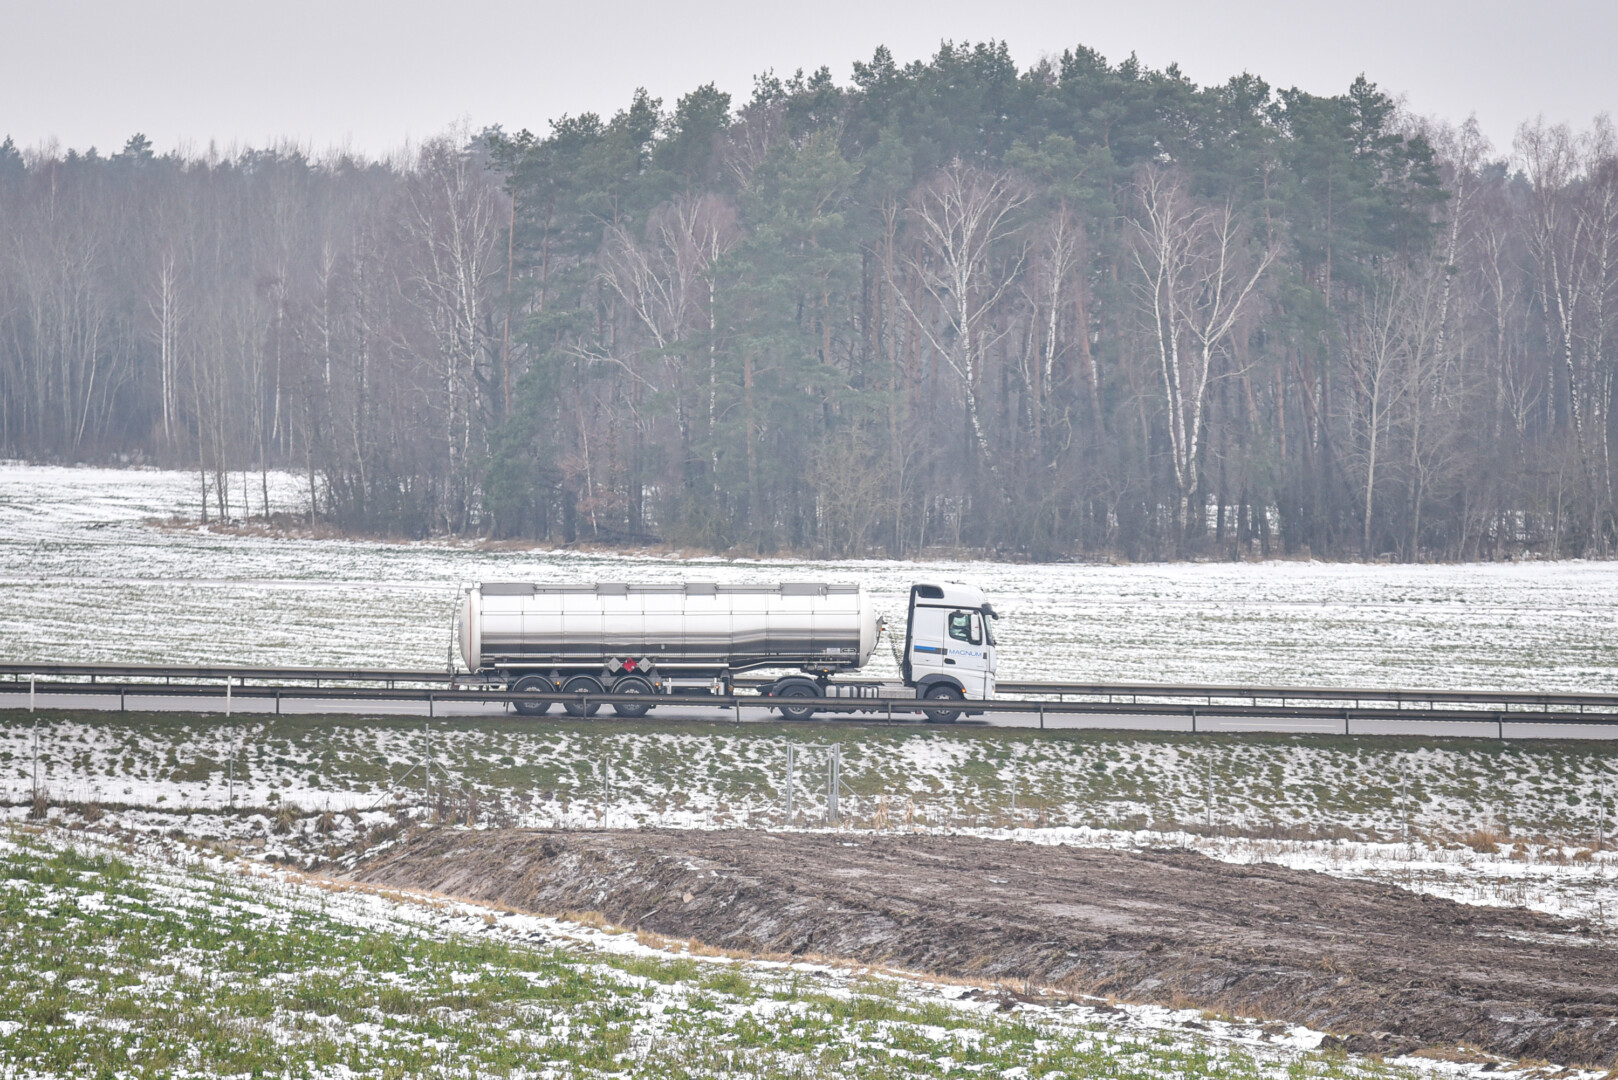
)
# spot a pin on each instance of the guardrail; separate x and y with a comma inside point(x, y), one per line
point(1113, 695)
point(97, 673)
point(1486, 699)
point(1191, 702)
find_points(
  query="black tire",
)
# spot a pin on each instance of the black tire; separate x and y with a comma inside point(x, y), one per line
point(798, 691)
point(632, 684)
point(536, 684)
point(581, 684)
point(942, 692)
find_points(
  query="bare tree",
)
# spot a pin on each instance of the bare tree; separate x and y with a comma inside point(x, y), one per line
point(1058, 252)
point(1197, 279)
point(1573, 234)
point(671, 282)
point(967, 256)
point(1373, 361)
point(454, 221)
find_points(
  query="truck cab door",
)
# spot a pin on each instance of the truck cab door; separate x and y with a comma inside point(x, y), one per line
point(926, 643)
point(969, 648)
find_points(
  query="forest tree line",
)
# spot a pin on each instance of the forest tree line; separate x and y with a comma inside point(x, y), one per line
point(1075, 309)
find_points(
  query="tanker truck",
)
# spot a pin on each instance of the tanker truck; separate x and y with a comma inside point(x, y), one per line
point(697, 637)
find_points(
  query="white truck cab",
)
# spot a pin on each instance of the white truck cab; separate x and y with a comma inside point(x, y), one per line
point(949, 643)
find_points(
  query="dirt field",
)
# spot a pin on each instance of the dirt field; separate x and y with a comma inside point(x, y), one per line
point(1387, 970)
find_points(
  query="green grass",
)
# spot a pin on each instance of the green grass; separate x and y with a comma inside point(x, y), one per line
point(122, 967)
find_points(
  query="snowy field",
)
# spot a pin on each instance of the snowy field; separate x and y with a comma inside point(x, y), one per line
point(146, 957)
point(84, 576)
point(308, 980)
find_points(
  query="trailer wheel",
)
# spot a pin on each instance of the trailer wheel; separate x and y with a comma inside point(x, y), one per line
point(581, 684)
point(942, 692)
point(538, 684)
point(798, 712)
point(632, 684)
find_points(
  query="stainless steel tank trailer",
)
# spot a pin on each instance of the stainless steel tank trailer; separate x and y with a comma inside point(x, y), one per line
point(695, 638)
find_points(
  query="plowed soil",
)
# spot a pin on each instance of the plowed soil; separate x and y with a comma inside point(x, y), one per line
point(1387, 970)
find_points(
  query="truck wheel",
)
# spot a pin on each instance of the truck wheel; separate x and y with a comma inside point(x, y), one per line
point(798, 712)
point(537, 684)
point(581, 684)
point(632, 684)
point(942, 692)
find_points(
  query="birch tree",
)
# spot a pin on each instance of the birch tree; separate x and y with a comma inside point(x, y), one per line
point(670, 284)
point(1373, 354)
point(966, 256)
point(1197, 278)
point(455, 223)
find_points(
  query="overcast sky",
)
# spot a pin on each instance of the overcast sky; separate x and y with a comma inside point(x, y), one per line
point(372, 75)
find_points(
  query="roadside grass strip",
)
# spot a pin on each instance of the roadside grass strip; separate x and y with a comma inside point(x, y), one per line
point(147, 961)
point(575, 774)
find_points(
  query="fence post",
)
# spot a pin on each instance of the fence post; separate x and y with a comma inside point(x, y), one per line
point(227, 695)
point(789, 783)
point(833, 780)
point(1404, 803)
point(30, 692)
point(1210, 791)
point(1601, 806)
